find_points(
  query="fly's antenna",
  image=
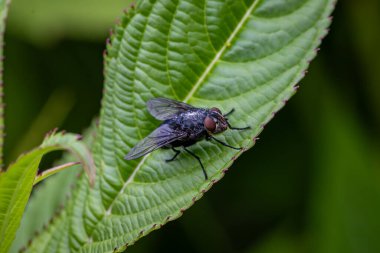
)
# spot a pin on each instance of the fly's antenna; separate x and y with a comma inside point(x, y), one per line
point(229, 113)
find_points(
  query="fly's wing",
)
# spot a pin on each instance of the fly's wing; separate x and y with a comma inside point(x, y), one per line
point(164, 108)
point(160, 137)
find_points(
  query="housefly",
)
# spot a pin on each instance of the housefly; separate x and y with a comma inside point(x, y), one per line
point(183, 125)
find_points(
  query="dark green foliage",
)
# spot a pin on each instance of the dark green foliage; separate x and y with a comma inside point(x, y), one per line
point(309, 185)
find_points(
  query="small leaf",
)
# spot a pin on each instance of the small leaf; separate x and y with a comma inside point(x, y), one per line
point(51, 197)
point(72, 143)
point(17, 182)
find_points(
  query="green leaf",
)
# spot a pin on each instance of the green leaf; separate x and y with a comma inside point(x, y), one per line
point(247, 55)
point(16, 183)
point(51, 197)
point(45, 203)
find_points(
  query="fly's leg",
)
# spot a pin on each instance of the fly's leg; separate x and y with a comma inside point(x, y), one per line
point(177, 152)
point(210, 137)
point(237, 128)
point(199, 160)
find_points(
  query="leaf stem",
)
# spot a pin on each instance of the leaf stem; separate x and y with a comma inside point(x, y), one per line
point(52, 171)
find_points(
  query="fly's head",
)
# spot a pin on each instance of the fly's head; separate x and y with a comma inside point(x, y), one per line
point(215, 122)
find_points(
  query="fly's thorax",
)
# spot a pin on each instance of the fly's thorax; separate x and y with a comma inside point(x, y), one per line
point(190, 121)
point(214, 122)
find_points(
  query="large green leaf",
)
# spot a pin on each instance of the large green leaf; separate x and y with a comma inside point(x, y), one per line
point(16, 183)
point(247, 55)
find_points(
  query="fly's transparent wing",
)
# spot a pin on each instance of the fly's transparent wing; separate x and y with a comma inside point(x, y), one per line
point(164, 108)
point(160, 137)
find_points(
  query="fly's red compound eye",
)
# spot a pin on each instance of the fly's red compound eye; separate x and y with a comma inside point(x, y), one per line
point(209, 124)
point(214, 109)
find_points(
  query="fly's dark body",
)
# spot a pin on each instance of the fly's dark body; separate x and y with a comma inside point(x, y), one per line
point(183, 125)
point(190, 122)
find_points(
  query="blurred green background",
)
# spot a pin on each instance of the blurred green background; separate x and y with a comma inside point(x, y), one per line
point(312, 182)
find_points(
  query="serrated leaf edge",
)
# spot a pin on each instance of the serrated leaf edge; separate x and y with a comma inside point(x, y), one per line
point(217, 177)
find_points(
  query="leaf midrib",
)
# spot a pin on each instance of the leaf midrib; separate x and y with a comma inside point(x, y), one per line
point(201, 79)
point(226, 45)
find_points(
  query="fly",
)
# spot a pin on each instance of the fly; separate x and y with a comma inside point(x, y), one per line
point(183, 125)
